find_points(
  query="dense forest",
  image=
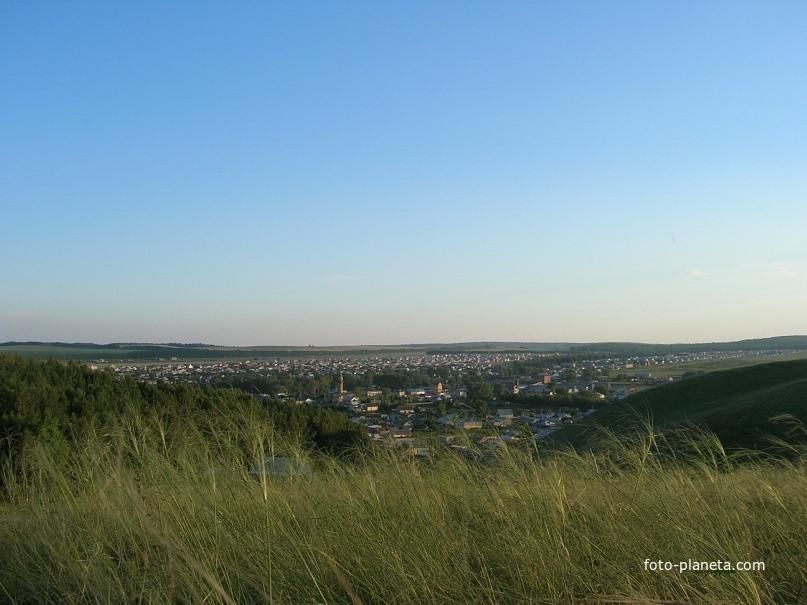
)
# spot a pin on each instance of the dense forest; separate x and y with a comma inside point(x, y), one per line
point(56, 402)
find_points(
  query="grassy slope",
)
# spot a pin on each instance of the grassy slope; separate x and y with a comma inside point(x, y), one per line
point(713, 365)
point(753, 344)
point(737, 404)
point(137, 520)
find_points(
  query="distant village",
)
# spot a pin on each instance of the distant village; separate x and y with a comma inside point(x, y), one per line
point(424, 415)
point(439, 399)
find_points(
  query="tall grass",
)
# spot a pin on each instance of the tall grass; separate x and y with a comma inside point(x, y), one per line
point(156, 512)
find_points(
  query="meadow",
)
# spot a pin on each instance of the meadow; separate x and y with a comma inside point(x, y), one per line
point(156, 511)
point(676, 370)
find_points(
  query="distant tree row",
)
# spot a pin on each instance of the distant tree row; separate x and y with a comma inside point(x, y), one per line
point(297, 386)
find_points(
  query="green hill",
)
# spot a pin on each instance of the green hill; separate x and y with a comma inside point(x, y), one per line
point(55, 402)
point(744, 406)
point(775, 343)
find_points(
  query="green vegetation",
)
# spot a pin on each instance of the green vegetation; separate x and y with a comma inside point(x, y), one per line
point(690, 368)
point(189, 495)
point(165, 513)
point(637, 348)
point(54, 403)
point(746, 407)
point(319, 386)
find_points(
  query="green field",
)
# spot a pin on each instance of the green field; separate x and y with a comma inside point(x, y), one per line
point(676, 370)
point(147, 351)
point(155, 352)
point(59, 351)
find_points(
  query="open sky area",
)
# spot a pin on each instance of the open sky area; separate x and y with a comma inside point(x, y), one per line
point(396, 172)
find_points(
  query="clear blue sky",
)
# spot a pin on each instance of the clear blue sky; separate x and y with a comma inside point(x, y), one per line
point(381, 172)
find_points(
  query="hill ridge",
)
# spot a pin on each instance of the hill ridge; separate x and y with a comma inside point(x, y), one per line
point(736, 404)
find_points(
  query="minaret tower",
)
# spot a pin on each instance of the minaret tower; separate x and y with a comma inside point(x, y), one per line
point(341, 384)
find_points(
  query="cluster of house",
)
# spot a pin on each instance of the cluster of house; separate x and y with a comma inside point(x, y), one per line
point(173, 369)
point(403, 425)
point(539, 422)
point(572, 376)
point(535, 388)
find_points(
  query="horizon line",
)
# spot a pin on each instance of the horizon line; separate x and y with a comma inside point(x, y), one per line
point(393, 345)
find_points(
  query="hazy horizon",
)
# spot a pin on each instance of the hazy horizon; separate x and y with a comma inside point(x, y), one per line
point(417, 173)
point(396, 344)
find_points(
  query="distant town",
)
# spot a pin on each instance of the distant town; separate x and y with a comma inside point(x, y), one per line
point(422, 401)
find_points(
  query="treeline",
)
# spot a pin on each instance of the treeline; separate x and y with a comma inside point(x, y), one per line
point(274, 384)
point(559, 399)
point(53, 401)
point(400, 379)
point(307, 386)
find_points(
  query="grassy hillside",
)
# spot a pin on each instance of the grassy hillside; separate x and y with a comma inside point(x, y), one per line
point(743, 406)
point(752, 344)
point(701, 366)
point(165, 513)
